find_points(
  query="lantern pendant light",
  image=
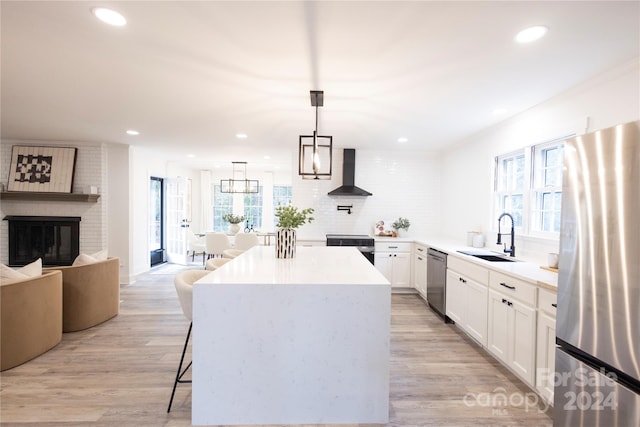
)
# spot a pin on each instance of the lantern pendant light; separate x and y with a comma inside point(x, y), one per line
point(315, 151)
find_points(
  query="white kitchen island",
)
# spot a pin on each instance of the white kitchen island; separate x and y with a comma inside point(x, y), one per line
point(292, 341)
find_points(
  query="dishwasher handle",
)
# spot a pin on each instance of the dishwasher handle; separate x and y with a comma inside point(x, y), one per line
point(436, 255)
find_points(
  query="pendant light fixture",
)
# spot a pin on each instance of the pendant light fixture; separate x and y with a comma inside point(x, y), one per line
point(316, 151)
point(239, 183)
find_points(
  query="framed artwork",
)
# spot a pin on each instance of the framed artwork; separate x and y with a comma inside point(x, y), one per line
point(42, 169)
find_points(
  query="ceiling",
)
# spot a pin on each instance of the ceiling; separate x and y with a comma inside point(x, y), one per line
point(189, 76)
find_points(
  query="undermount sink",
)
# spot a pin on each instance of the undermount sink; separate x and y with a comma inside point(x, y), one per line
point(493, 258)
point(488, 257)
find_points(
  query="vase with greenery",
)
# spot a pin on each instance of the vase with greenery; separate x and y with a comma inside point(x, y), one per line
point(289, 219)
point(234, 220)
point(401, 224)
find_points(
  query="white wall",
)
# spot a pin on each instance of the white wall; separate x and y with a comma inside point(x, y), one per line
point(403, 184)
point(608, 99)
point(118, 208)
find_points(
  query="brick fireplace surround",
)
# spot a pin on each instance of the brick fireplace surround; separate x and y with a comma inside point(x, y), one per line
point(91, 170)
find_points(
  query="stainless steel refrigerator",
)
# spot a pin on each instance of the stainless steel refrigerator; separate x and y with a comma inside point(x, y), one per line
point(597, 379)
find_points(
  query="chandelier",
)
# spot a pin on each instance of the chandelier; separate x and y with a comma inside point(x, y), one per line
point(239, 183)
point(315, 153)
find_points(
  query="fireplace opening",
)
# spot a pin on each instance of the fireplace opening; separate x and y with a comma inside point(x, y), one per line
point(55, 239)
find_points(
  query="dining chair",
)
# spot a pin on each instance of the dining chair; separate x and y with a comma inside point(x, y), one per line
point(183, 282)
point(195, 245)
point(246, 241)
point(216, 243)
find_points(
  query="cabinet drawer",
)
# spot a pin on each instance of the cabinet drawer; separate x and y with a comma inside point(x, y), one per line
point(516, 288)
point(421, 249)
point(393, 246)
point(547, 301)
point(468, 269)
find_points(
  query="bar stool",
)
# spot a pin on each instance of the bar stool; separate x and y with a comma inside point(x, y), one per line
point(183, 282)
point(215, 263)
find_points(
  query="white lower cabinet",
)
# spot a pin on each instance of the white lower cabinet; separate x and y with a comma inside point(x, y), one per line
point(420, 274)
point(546, 344)
point(466, 298)
point(512, 324)
point(420, 270)
point(455, 297)
point(393, 260)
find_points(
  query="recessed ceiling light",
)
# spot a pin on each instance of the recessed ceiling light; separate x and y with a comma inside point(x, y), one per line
point(403, 139)
point(499, 111)
point(109, 16)
point(133, 132)
point(191, 156)
point(531, 34)
point(241, 135)
point(267, 157)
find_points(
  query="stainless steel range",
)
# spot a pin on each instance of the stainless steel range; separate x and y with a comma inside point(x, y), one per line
point(365, 244)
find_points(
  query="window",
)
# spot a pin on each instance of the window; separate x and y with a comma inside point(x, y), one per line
point(510, 186)
point(281, 196)
point(528, 185)
point(547, 187)
point(252, 206)
point(222, 204)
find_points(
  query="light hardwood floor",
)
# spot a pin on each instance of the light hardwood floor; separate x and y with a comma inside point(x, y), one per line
point(120, 373)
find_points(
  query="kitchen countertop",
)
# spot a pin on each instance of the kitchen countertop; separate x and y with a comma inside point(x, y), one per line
point(521, 269)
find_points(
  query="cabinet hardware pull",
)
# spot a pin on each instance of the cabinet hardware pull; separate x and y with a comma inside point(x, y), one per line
point(554, 305)
point(395, 255)
point(507, 286)
point(509, 303)
point(419, 258)
point(504, 301)
point(393, 247)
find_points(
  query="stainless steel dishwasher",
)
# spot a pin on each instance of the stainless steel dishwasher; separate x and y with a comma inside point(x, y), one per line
point(436, 281)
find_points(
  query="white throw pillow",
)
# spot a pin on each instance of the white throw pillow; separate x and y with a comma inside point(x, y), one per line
point(100, 255)
point(8, 274)
point(33, 269)
point(83, 259)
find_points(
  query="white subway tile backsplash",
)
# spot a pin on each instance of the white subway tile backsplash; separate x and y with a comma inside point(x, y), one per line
point(403, 184)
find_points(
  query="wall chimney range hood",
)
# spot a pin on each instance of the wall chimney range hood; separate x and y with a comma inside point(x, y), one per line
point(348, 177)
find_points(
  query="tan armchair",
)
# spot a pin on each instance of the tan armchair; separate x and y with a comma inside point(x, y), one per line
point(90, 292)
point(30, 318)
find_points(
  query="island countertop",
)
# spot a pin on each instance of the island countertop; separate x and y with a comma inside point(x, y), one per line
point(292, 341)
point(311, 265)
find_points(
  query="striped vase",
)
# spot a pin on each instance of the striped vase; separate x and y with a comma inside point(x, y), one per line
point(285, 243)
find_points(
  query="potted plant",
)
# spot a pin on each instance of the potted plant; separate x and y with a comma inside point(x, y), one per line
point(289, 218)
point(401, 224)
point(234, 220)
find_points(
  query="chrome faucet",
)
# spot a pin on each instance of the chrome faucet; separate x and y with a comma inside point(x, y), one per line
point(512, 250)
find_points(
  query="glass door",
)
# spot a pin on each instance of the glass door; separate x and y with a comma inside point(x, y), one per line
point(178, 219)
point(156, 221)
